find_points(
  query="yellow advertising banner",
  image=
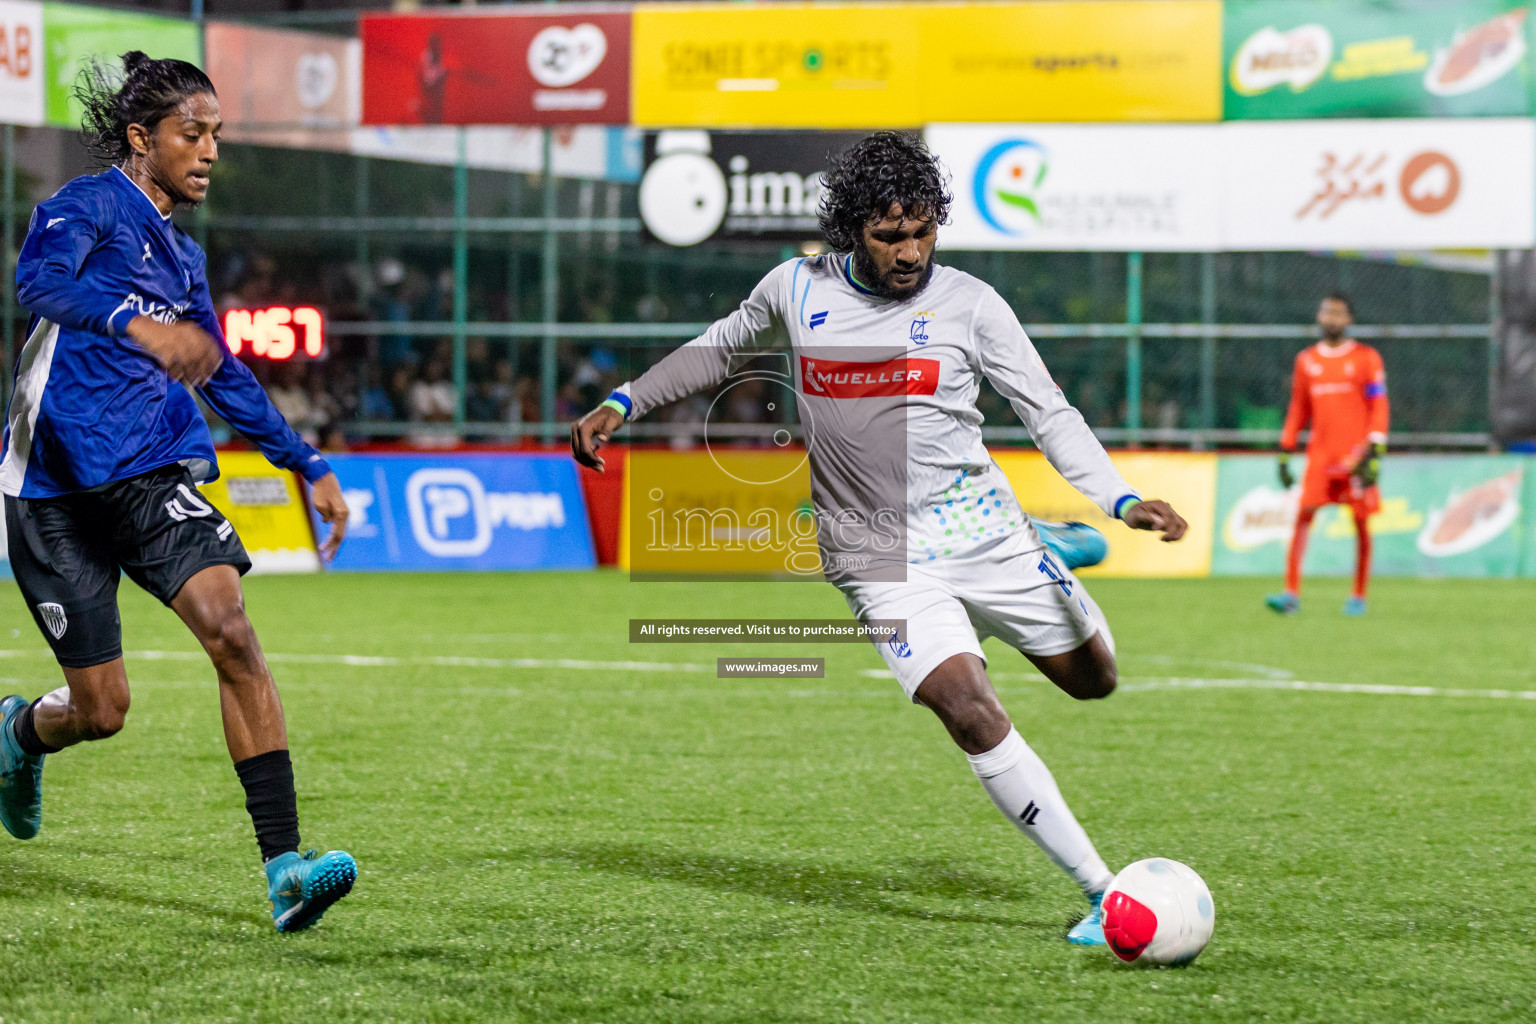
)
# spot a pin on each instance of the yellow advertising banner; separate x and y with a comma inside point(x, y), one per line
point(1187, 481)
point(746, 512)
point(905, 65)
point(721, 512)
point(268, 511)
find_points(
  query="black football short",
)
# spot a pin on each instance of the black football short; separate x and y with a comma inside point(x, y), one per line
point(66, 554)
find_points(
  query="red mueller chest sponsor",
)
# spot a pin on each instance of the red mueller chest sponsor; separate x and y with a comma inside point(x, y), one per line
point(831, 378)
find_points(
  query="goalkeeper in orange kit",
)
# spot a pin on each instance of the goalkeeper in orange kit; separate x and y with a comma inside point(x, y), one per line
point(1340, 390)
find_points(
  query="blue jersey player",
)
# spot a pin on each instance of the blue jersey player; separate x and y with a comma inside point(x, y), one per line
point(103, 449)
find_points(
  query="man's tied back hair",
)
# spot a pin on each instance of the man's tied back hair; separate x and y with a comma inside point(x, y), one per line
point(874, 174)
point(144, 91)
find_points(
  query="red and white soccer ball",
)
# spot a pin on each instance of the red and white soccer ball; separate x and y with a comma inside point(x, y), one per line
point(1158, 912)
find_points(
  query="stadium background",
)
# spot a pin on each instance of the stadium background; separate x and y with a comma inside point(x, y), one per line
point(487, 277)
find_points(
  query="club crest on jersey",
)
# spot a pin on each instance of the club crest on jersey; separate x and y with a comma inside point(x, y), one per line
point(817, 319)
point(830, 378)
point(918, 334)
point(54, 619)
point(900, 648)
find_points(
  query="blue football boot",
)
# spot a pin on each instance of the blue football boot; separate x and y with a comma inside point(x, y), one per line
point(21, 777)
point(303, 888)
point(1285, 604)
point(1355, 606)
point(1090, 930)
point(1075, 545)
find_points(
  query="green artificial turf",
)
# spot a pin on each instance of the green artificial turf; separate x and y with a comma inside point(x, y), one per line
point(601, 844)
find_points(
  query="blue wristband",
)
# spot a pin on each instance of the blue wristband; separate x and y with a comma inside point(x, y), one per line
point(621, 400)
point(1124, 503)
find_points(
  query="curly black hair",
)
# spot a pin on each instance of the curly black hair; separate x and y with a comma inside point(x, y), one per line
point(145, 91)
point(874, 174)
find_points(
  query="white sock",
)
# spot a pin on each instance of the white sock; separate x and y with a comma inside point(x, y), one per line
point(1021, 786)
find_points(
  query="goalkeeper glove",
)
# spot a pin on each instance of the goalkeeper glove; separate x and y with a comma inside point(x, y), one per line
point(1287, 478)
point(1368, 469)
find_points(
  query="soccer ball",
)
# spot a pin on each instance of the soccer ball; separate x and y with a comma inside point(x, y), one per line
point(1158, 912)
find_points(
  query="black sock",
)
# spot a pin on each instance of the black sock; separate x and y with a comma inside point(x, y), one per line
point(26, 733)
point(270, 799)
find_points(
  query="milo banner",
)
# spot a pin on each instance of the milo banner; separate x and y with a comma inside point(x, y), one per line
point(1440, 516)
point(1408, 58)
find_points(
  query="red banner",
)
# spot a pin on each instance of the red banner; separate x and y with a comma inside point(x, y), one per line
point(496, 69)
point(830, 378)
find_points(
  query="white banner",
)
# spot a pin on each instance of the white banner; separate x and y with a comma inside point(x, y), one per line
point(21, 62)
point(1076, 187)
point(1328, 184)
point(1400, 183)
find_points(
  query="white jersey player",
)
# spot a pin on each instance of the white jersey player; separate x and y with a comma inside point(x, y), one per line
point(889, 351)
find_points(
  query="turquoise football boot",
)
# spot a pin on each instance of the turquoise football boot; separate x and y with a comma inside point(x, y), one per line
point(1075, 545)
point(21, 777)
point(303, 888)
point(1355, 606)
point(1285, 604)
point(1090, 930)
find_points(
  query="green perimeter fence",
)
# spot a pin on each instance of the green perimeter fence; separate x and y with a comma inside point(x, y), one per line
point(416, 263)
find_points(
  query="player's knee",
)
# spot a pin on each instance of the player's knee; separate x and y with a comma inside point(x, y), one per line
point(1098, 685)
point(976, 721)
point(230, 636)
point(105, 718)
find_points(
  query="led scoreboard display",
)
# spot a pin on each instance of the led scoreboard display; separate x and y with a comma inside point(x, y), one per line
point(276, 333)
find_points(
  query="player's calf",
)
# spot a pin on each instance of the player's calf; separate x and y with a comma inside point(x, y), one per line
point(961, 695)
point(1086, 673)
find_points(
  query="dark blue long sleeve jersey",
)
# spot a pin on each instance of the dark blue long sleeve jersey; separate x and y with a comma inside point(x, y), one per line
point(89, 406)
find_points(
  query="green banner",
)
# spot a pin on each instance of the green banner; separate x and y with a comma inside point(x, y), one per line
point(1452, 515)
point(72, 35)
point(1398, 58)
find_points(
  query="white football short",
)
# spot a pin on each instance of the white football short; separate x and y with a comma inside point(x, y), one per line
point(1014, 590)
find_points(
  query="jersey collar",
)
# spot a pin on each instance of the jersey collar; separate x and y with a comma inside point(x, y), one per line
point(1330, 352)
point(847, 264)
point(135, 186)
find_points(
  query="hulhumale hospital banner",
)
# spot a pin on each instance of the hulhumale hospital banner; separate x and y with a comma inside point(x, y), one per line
point(1322, 58)
point(1076, 187)
point(463, 511)
point(904, 65)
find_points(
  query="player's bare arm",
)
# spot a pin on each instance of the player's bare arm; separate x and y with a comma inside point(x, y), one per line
point(1157, 516)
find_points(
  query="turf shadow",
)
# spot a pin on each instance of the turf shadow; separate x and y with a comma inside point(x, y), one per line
point(910, 891)
point(28, 881)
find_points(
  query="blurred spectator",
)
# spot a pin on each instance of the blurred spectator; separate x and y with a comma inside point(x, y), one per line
point(432, 398)
point(374, 402)
point(480, 405)
point(400, 380)
point(290, 398)
point(524, 406)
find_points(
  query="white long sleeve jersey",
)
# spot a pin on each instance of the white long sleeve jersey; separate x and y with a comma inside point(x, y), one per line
point(887, 399)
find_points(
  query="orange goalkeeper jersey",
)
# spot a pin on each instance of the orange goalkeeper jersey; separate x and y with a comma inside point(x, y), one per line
point(1341, 392)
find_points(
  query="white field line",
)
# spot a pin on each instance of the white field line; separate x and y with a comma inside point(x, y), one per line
point(445, 661)
point(1130, 684)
